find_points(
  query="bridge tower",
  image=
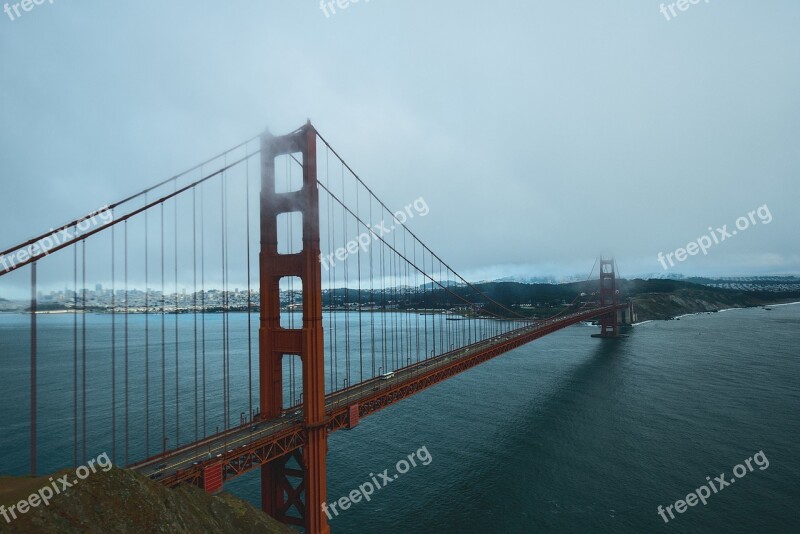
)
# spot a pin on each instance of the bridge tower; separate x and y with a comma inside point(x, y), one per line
point(293, 487)
point(609, 324)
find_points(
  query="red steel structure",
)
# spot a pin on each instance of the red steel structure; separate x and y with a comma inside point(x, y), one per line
point(289, 449)
point(292, 454)
point(283, 487)
point(609, 324)
point(344, 409)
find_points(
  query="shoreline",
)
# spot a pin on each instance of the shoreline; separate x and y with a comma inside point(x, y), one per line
point(794, 303)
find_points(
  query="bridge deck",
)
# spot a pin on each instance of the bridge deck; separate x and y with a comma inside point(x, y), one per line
point(249, 446)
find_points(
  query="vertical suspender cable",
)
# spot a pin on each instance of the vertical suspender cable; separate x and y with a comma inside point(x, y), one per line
point(384, 362)
point(360, 314)
point(33, 369)
point(163, 345)
point(146, 334)
point(416, 301)
point(194, 310)
point(83, 348)
point(346, 267)
point(393, 280)
point(177, 340)
point(406, 296)
point(226, 278)
point(434, 304)
point(425, 307)
point(332, 289)
point(249, 317)
point(224, 289)
point(371, 290)
point(203, 296)
point(331, 280)
point(75, 355)
point(127, 300)
point(113, 350)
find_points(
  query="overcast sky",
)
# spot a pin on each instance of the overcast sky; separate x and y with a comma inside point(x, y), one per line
point(539, 133)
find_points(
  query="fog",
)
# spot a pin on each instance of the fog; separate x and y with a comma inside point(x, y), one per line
point(540, 134)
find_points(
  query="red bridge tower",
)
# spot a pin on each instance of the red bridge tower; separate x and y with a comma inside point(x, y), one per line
point(293, 487)
point(609, 324)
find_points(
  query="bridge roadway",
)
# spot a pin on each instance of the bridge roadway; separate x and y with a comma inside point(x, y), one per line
point(249, 446)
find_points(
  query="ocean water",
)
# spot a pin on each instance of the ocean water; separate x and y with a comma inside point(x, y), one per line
point(576, 434)
point(566, 434)
point(180, 408)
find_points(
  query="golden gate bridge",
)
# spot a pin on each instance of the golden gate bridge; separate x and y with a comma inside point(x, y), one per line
point(161, 378)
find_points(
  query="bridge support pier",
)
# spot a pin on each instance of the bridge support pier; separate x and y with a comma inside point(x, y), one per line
point(293, 487)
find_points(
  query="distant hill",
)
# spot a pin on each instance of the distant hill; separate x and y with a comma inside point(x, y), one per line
point(653, 299)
